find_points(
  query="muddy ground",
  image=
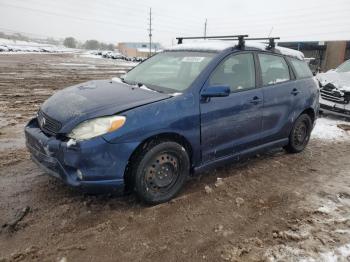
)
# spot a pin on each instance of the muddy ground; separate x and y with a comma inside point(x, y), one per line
point(273, 207)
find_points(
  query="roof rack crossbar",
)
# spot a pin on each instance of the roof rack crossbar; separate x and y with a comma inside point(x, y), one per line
point(231, 37)
point(271, 45)
point(241, 39)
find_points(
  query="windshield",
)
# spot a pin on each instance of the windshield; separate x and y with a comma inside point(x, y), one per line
point(169, 72)
point(344, 67)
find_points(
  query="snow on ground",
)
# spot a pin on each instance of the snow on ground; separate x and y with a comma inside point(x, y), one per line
point(328, 223)
point(75, 65)
point(327, 129)
point(296, 254)
point(89, 55)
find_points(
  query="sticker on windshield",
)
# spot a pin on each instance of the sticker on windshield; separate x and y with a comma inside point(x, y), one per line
point(193, 59)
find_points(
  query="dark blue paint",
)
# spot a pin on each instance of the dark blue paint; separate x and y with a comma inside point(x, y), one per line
point(94, 99)
point(218, 129)
point(215, 91)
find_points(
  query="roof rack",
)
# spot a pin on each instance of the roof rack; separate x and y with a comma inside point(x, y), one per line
point(241, 39)
point(272, 43)
point(222, 37)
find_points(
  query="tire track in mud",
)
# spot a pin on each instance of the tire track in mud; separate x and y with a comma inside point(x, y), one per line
point(263, 204)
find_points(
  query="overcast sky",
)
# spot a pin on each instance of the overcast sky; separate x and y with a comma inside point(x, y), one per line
point(116, 20)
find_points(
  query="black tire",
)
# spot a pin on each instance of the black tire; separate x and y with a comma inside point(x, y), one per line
point(300, 135)
point(160, 171)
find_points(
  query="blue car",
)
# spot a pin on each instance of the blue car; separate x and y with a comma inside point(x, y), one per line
point(189, 108)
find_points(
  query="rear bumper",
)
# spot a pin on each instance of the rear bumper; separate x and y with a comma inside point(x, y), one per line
point(94, 164)
point(335, 108)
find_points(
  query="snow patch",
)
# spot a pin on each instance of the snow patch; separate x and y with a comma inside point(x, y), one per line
point(290, 52)
point(326, 129)
point(71, 142)
point(278, 80)
point(176, 94)
point(88, 55)
point(205, 45)
point(77, 65)
point(342, 231)
point(344, 250)
point(327, 209)
point(287, 253)
point(120, 72)
point(146, 88)
point(117, 79)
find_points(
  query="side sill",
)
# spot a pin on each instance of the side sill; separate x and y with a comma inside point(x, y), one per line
point(243, 154)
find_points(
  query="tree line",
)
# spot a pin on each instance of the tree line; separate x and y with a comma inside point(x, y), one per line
point(71, 42)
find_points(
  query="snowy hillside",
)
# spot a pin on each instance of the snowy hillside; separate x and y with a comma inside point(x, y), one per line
point(8, 46)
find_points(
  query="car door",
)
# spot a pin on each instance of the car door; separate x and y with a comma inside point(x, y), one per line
point(280, 95)
point(232, 123)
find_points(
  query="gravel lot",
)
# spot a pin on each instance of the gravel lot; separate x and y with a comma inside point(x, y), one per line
point(273, 207)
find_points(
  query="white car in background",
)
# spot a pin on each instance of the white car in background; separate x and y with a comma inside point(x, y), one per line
point(335, 90)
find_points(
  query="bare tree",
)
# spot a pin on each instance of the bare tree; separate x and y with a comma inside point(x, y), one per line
point(70, 42)
point(92, 44)
point(111, 47)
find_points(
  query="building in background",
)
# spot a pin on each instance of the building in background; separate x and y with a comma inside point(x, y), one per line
point(137, 49)
point(327, 55)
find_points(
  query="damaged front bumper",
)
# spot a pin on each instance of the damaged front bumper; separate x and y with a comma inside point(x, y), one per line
point(334, 108)
point(93, 164)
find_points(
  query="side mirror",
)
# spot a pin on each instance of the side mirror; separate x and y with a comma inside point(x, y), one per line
point(216, 91)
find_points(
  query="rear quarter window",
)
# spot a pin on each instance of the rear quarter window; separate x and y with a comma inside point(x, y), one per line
point(301, 68)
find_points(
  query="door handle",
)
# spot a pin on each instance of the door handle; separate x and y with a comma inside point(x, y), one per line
point(256, 100)
point(295, 92)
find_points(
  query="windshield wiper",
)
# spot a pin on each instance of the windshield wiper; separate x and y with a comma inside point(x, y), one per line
point(131, 83)
point(143, 86)
point(140, 85)
point(123, 80)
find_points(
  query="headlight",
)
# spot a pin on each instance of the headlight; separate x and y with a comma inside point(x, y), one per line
point(96, 127)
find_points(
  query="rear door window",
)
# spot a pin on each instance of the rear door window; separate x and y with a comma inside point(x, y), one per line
point(236, 71)
point(301, 68)
point(274, 69)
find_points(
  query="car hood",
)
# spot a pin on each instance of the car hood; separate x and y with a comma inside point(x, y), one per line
point(340, 80)
point(88, 100)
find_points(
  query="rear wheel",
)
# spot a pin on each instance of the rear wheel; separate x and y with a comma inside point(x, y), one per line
point(159, 171)
point(300, 135)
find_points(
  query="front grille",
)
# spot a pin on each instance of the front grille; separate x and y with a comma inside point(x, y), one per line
point(330, 93)
point(47, 124)
point(333, 96)
point(33, 143)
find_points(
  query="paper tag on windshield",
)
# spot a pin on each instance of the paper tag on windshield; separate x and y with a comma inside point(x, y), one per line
point(192, 59)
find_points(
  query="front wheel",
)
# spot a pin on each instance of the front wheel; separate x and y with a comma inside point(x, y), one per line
point(160, 171)
point(300, 135)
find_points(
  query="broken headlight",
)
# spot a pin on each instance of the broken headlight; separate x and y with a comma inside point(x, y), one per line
point(96, 127)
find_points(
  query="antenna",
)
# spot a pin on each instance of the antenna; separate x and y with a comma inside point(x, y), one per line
point(205, 28)
point(150, 31)
point(270, 32)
